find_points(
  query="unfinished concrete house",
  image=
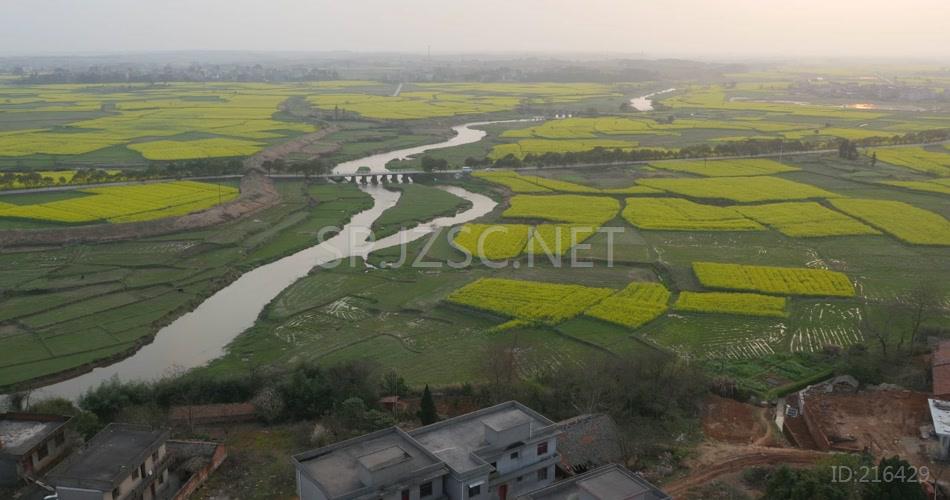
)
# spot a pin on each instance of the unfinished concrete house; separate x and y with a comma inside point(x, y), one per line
point(30, 443)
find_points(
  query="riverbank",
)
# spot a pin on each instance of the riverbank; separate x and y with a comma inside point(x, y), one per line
point(234, 308)
point(71, 309)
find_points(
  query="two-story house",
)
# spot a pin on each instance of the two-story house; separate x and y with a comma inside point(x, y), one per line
point(386, 464)
point(123, 461)
point(495, 453)
point(29, 444)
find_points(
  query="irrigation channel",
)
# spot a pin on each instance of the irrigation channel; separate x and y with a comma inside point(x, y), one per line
point(201, 335)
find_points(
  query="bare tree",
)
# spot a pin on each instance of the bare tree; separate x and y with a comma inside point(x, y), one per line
point(923, 302)
point(502, 366)
point(879, 329)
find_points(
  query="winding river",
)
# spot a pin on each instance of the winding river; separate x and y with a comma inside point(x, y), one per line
point(201, 335)
point(645, 102)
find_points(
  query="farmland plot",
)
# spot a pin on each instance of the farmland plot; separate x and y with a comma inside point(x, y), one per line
point(941, 186)
point(749, 304)
point(805, 219)
point(917, 158)
point(512, 181)
point(637, 304)
point(675, 214)
point(575, 209)
point(773, 280)
point(557, 239)
point(530, 184)
point(905, 222)
point(820, 324)
point(741, 189)
point(532, 301)
point(721, 336)
point(726, 168)
point(127, 203)
point(493, 241)
point(202, 148)
point(525, 147)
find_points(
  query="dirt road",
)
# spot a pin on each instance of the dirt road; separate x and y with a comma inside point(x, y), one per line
point(718, 459)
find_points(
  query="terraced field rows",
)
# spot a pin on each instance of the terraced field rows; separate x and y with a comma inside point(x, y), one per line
point(814, 339)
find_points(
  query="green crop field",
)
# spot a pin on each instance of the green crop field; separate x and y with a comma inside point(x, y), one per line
point(528, 301)
point(532, 184)
point(726, 168)
point(61, 308)
point(805, 219)
point(770, 279)
point(235, 119)
point(493, 241)
point(905, 222)
point(941, 186)
point(749, 304)
point(675, 214)
point(125, 203)
point(576, 209)
point(634, 306)
point(756, 268)
point(417, 203)
point(919, 159)
point(741, 189)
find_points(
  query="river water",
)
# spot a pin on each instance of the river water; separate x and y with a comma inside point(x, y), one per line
point(464, 134)
point(201, 335)
point(645, 102)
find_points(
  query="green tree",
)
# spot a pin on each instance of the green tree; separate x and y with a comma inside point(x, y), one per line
point(427, 411)
point(894, 473)
point(86, 423)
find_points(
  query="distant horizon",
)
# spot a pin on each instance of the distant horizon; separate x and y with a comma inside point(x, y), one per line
point(674, 28)
point(566, 56)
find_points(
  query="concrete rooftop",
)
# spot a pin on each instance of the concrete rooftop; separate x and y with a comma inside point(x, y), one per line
point(20, 432)
point(336, 467)
point(456, 439)
point(611, 482)
point(108, 457)
point(940, 413)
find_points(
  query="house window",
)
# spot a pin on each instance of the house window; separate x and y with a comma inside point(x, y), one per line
point(494, 465)
point(514, 456)
point(60, 439)
point(155, 457)
point(542, 474)
point(520, 478)
point(136, 474)
point(405, 494)
point(425, 490)
point(474, 490)
point(161, 477)
point(115, 493)
point(42, 452)
point(542, 448)
point(142, 470)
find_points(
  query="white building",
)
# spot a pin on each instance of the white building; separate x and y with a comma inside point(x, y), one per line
point(940, 414)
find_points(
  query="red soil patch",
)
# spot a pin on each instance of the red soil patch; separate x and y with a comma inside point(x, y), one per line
point(733, 422)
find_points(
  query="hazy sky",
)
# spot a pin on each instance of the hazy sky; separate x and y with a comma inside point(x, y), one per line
point(893, 28)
